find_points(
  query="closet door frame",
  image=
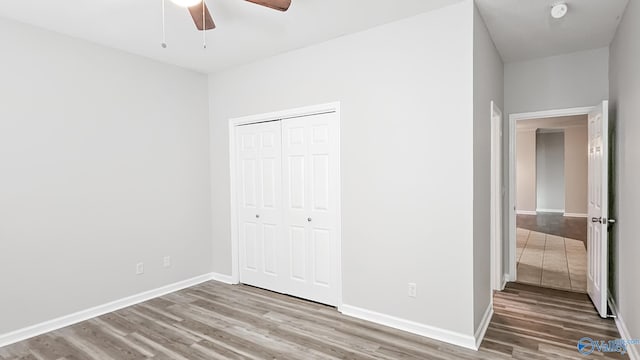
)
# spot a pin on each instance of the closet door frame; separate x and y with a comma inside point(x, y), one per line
point(333, 107)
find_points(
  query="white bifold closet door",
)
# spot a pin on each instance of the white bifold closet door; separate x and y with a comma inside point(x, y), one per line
point(260, 209)
point(288, 206)
point(310, 184)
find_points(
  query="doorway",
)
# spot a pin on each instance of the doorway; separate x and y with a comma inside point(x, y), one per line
point(597, 202)
point(551, 202)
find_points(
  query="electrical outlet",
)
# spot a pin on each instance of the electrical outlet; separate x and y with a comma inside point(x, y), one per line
point(139, 268)
point(413, 290)
point(166, 261)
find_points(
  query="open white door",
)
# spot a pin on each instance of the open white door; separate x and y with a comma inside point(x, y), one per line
point(597, 235)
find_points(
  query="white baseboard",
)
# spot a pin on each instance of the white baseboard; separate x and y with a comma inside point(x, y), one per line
point(505, 280)
point(227, 279)
point(578, 215)
point(432, 332)
point(526, 212)
point(633, 350)
point(484, 324)
point(559, 211)
point(63, 321)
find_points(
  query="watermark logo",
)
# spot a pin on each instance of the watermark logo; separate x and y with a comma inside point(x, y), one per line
point(586, 345)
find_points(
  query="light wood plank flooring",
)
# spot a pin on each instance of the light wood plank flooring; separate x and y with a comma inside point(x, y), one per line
point(551, 261)
point(218, 321)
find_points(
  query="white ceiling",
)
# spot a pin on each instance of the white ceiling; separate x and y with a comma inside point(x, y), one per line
point(524, 29)
point(245, 32)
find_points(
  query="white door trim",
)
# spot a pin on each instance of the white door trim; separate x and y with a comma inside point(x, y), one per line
point(513, 118)
point(333, 107)
point(496, 198)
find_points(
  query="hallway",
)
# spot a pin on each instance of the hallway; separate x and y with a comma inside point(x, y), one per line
point(531, 322)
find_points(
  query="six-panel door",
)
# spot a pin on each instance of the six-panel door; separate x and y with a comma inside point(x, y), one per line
point(310, 186)
point(597, 235)
point(260, 212)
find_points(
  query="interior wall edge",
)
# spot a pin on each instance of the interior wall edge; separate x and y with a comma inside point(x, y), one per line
point(484, 324)
point(634, 350)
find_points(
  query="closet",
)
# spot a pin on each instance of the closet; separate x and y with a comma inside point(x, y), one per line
point(287, 196)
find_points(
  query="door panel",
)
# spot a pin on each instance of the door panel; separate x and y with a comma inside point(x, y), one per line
point(249, 236)
point(320, 182)
point(249, 183)
point(298, 259)
point(597, 235)
point(270, 248)
point(269, 180)
point(296, 176)
point(322, 254)
point(310, 152)
point(260, 205)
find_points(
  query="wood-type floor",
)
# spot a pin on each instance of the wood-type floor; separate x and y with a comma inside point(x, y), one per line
point(218, 321)
point(555, 224)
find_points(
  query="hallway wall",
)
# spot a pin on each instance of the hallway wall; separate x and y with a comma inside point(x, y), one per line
point(557, 82)
point(526, 170)
point(575, 170)
point(625, 195)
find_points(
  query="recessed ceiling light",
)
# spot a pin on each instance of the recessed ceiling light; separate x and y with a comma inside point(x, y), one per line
point(558, 11)
point(186, 3)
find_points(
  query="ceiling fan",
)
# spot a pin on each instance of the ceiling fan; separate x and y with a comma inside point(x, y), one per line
point(203, 19)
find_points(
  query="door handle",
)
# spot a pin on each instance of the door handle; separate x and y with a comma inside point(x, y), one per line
point(309, 219)
point(257, 216)
point(593, 219)
point(610, 221)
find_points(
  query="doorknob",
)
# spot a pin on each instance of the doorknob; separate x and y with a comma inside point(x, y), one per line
point(593, 219)
point(309, 219)
point(257, 216)
point(611, 221)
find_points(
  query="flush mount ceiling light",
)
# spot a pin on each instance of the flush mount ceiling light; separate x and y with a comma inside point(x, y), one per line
point(558, 11)
point(186, 3)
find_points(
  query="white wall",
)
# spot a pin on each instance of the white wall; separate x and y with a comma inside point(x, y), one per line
point(407, 157)
point(488, 84)
point(104, 162)
point(576, 168)
point(557, 82)
point(526, 178)
point(625, 90)
point(550, 171)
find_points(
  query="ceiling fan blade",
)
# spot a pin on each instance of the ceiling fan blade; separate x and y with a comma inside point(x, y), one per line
point(282, 5)
point(196, 14)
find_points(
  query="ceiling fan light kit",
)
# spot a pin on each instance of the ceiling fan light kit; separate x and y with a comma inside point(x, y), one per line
point(186, 3)
point(202, 17)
